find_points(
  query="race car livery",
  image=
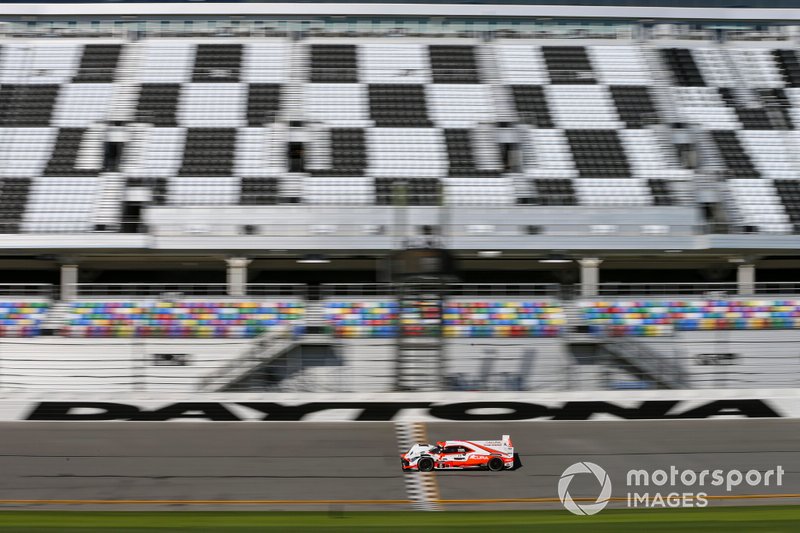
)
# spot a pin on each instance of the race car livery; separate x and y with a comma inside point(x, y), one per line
point(494, 455)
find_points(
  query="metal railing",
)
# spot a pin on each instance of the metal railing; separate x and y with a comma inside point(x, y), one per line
point(720, 290)
point(183, 290)
point(190, 228)
point(35, 290)
point(665, 289)
point(449, 290)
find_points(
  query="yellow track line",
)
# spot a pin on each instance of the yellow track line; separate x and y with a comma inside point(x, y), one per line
point(203, 502)
point(353, 502)
point(620, 499)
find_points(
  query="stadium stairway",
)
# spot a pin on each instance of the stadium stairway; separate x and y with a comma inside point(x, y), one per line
point(245, 371)
point(501, 96)
point(107, 211)
point(90, 153)
point(660, 90)
point(299, 72)
point(315, 316)
point(126, 88)
point(576, 328)
point(56, 317)
point(646, 363)
point(630, 355)
point(486, 149)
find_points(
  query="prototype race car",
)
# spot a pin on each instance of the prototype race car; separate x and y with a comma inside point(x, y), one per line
point(494, 455)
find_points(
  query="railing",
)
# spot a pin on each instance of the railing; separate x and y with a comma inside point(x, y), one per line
point(488, 231)
point(183, 290)
point(647, 363)
point(450, 290)
point(720, 290)
point(264, 348)
point(666, 289)
point(37, 290)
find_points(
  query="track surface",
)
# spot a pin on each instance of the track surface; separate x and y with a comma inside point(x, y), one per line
point(315, 465)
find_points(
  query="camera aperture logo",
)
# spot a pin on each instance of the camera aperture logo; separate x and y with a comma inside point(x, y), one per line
point(673, 487)
point(584, 509)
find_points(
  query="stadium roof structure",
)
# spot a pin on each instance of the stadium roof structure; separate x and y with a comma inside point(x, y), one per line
point(735, 4)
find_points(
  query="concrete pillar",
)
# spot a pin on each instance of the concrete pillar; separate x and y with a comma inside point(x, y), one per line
point(69, 279)
point(746, 278)
point(590, 275)
point(237, 276)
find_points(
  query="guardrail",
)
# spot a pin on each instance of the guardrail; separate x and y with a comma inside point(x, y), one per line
point(720, 290)
point(184, 290)
point(332, 290)
point(37, 290)
point(450, 290)
point(179, 291)
point(666, 289)
point(189, 228)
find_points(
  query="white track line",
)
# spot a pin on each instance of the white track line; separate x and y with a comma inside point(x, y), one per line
point(422, 489)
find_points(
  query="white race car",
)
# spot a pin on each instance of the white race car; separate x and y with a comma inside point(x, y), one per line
point(494, 455)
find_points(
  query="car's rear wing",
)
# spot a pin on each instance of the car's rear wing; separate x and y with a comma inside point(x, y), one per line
point(503, 445)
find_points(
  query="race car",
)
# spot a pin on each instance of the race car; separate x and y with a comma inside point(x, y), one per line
point(494, 455)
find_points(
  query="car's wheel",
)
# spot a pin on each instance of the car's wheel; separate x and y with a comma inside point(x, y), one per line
point(495, 464)
point(425, 464)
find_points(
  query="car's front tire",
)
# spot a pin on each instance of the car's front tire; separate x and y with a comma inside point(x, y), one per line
point(425, 464)
point(495, 464)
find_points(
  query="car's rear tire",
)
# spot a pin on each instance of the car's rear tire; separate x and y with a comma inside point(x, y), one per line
point(495, 464)
point(425, 464)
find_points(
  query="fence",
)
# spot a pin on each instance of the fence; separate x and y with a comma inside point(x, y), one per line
point(367, 290)
point(708, 290)
point(184, 290)
point(449, 290)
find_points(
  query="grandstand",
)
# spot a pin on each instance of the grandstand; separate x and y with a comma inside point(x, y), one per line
point(194, 205)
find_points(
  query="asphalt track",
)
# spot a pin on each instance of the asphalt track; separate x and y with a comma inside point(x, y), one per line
point(291, 466)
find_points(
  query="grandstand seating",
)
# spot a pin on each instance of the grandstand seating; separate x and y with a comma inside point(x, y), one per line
point(365, 318)
point(183, 319)
point(384, 110)
point(659, 317)
point(22, 318)
point(459, 319)
point(390, 110)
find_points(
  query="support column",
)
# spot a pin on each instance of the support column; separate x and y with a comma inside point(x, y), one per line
point(237, 276)
point(69, 278)
point(590, 275)
point(746, 278)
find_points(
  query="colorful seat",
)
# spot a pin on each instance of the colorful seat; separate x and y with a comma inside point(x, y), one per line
point(659, 317)
point(469, 319)
point(21, 318)
point(183, 319)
